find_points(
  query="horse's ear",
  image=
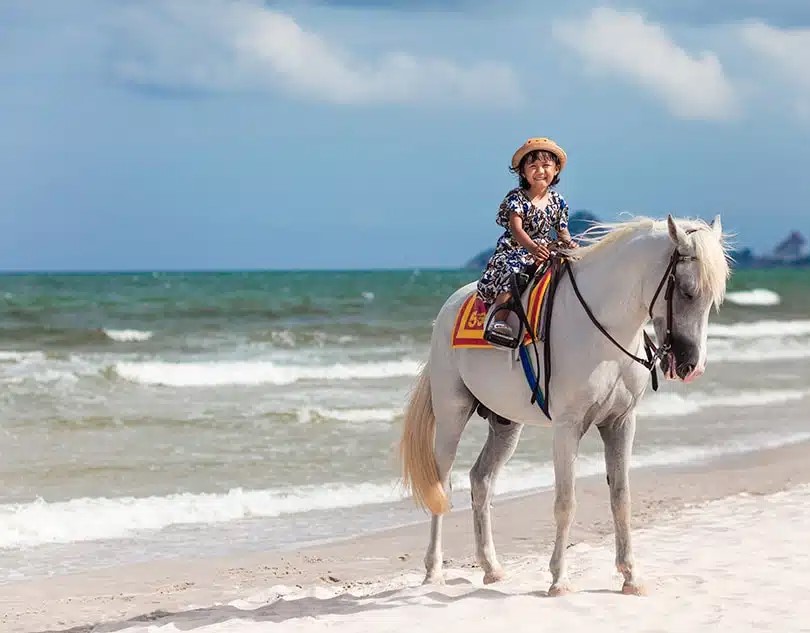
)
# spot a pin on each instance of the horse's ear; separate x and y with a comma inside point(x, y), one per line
point(676, 233)
point(717, 226)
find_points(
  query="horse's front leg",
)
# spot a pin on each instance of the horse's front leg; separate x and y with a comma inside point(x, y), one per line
point(618, 439)
point(566, 446)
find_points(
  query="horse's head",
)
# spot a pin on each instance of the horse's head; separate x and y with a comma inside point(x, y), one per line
point(697, 281)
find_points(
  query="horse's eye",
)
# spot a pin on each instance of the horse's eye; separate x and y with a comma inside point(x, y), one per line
point(686, 294)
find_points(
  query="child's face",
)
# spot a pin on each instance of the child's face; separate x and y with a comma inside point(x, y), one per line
point(540, 170)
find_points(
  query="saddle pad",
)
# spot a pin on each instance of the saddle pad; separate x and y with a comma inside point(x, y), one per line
point(468, 330)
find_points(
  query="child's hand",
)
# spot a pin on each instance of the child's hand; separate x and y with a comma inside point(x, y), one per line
point(540, 252)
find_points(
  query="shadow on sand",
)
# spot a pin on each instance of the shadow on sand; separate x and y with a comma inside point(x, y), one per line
point(282, 610)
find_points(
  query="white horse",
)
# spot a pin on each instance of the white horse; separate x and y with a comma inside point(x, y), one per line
point(593, 382)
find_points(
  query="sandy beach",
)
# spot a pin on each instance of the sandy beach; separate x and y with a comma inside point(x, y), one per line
point(705, 540)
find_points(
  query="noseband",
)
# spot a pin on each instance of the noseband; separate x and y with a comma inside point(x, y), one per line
point(654, 353)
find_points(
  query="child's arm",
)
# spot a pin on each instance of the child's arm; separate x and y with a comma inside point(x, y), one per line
point(565, 238)
point(561, 226)
point(539, 251)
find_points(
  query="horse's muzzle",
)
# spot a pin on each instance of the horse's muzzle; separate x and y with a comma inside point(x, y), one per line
point(682, 365)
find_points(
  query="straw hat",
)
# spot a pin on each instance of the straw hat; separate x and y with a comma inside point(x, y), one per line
point(540, 142)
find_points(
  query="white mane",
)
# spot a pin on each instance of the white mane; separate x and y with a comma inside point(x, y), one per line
point(711, 252)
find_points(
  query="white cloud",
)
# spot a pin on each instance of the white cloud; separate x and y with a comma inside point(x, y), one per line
point(622, 44)
point(786, 53)
point(230, 45)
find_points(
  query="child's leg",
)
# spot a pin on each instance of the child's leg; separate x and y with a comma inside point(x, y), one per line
point(501, 315)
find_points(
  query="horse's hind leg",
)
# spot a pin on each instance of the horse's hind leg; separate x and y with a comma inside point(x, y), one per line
point(500, 446)
point(618, 439)
point(453, 405)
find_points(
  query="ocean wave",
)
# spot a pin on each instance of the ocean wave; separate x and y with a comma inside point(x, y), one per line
point(673, 404)
point(760, 329)
point(759, 351)
point(233, 309)
point(52, 336)
point(210, 374)
point(520, 476)
point(88, 519)
point(310, 414)
point(128, 336)
point(297, 339)
point(61, 337)
point(38, 368)
point(20, 357)
point(755, 297)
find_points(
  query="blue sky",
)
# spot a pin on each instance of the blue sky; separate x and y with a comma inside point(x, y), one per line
point(189, 134)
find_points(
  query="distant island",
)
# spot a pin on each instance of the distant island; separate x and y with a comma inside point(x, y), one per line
point(790, 252)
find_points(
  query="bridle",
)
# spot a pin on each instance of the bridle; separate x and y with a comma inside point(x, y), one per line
point(653, 353)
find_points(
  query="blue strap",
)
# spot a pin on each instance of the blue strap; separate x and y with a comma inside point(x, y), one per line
point(532, 380)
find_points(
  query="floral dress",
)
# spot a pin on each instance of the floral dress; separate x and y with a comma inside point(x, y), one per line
point(509, 255)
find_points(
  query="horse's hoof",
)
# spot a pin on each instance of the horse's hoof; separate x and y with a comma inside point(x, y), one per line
point(495, 575)
point(557, 590)
point(433, 578)
point(633, 589)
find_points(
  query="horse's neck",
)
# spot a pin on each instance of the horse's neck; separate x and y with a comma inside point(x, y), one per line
point(616, 280)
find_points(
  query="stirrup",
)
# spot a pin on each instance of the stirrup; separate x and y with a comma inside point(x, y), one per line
point(500, 339)
point(499, 332)
point(501, 336)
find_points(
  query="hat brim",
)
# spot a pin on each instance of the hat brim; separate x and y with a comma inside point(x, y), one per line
point(535, 144)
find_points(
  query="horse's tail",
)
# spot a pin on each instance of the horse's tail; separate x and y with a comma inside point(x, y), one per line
point(419, 471)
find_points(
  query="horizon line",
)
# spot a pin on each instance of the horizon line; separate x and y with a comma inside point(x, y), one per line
point(156, 271)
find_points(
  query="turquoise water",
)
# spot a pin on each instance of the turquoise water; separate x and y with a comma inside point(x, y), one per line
point(62, 312)
point(144, 412)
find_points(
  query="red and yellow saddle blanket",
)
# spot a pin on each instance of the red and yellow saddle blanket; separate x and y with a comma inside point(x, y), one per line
point(468, 330)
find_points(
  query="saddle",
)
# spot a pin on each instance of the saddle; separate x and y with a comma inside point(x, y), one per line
point(526, 316)
point(530, 315)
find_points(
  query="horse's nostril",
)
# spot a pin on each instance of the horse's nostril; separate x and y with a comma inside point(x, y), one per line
point(686, 369)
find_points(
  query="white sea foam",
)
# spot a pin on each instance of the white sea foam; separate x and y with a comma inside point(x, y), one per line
point(522, 476)
point(657, 405)
point(86, 519)
point(283, 338)
point(755, 297)
point(760, 329)
point(673, 404)
point(17, 357)
point(308, 414)
point(36, 368)
point(128, 336)
point(208, 374)
point(758, 351)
